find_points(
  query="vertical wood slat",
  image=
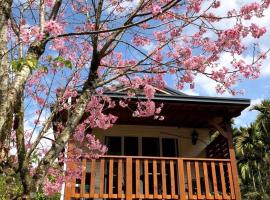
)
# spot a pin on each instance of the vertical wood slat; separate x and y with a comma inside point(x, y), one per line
point(198, 180)
point(181, 176)
point(189, 177)
point(73, 181)
point(70, 186)
point(101, 178)
point(163, 176)
point(155, 179)
point(231, 180)
point(92, 181)
point(206, 181)
point(83, 176)
point(233, 161)
point(137, 163)
point(214, 177)
point(172, 178)
point(223, 184)
point(119, 181)
point(146, 179)
point(111, 177)
point(218, 170)
point(128, 178)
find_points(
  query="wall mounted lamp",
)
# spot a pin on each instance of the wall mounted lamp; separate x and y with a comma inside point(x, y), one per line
point(194, 137)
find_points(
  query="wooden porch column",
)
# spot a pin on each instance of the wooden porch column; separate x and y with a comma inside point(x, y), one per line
point(233, 160)
point(129, 178)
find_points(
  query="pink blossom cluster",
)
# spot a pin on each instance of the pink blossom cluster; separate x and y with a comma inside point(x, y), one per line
point(140, 40)
point(28, 33)
point(149, 91)
point(251, 9)
point(49, 3)
point(156, 9)
point(53, 182)
point(54, 27)
point(257, 31)
point(194, 5)
point(145, 109)
point(95, 147)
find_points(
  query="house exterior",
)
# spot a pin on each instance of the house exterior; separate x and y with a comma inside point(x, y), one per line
point(176, 158)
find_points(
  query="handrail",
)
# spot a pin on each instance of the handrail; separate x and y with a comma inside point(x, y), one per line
point(166, 158)
point(146, 177)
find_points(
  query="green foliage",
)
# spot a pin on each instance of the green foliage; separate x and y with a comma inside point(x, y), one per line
point(253, 153)
point(67, 63)
point(9, 186)
point(32, 63)
point(41, 196)
point(17, 65)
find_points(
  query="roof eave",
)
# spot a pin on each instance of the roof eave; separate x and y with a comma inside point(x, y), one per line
point(190, 99)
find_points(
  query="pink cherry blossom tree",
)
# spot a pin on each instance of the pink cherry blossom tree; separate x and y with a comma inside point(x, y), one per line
point(60, 56)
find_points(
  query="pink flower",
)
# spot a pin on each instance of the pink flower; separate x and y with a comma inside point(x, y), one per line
point(123, 104)
point(149, 91)
point(140, 40)
point(160, 35)
point(54, 27)
point(145, 109)
point(156, 9)
point(25, 34)
point(257, 31)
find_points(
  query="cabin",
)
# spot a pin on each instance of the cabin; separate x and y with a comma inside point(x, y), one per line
point(188, 155)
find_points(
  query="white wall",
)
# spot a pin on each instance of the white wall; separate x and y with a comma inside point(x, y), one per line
point(186, 148)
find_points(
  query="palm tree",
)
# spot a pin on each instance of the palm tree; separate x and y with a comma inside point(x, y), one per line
point(253, 154)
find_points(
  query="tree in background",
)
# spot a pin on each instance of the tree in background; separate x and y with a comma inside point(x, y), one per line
point(253, 154)
point(51, 49)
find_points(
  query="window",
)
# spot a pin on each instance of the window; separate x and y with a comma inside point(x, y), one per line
point(169, 147)
point(114, 145)
point(131, 146)
point(149, 146)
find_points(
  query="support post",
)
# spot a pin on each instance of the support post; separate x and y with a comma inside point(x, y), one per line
point(233, 160)
point(129, 178)
point(181, 179)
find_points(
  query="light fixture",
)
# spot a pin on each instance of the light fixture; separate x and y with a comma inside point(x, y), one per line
point(194, 137)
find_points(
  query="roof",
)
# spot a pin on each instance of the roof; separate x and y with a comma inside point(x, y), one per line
point(172, 95)
point(179, 109)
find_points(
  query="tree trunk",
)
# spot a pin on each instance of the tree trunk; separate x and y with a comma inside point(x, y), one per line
point(5, 9)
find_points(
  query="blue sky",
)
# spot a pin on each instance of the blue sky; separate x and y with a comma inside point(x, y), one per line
point(256, 90)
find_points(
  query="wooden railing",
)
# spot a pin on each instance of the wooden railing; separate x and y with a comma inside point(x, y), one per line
point(125, 177)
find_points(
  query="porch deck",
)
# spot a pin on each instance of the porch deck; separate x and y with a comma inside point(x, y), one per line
point(137, 177)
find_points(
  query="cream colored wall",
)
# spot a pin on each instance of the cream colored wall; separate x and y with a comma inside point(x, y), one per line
point(186, 148)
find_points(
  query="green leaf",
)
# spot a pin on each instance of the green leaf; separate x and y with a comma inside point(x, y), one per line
point(67, 63)
point(17, 65)
point(44, 69)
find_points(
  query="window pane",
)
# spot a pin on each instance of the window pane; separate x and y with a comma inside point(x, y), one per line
point(131, 146)
point(150, 146)
point(114, 145)
point(169, 147)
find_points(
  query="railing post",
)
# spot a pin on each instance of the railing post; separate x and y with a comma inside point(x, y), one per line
point(181, 178)
point(129, 178)
point(233, 162)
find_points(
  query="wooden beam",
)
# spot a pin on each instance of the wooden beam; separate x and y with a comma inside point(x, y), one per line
point(233, 161)
point(216, 124)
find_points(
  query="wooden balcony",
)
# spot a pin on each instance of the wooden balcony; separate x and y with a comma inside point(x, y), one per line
point(126, 177)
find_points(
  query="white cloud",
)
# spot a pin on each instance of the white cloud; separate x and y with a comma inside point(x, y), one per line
point(128, 5)
point(207, 86)
point(190, 92)
point(247, 116)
